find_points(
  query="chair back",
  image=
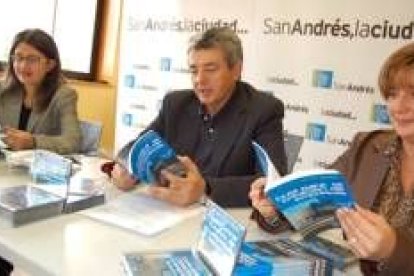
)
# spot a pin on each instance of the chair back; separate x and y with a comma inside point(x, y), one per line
point(91, 136)
point(293, 143)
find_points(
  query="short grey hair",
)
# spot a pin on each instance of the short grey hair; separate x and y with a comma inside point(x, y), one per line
point(222, 37)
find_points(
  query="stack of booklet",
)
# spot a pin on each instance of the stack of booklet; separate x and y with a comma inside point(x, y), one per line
point(220, 250)
point(54, 173)
point(215, 252)
point(279, 257)
point(52, 191)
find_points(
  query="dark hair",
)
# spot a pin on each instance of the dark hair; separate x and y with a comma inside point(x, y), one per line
point(222, 37)
point(401, 60)
point(45, 44)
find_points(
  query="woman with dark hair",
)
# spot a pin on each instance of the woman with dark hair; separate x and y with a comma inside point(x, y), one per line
point(37, 109)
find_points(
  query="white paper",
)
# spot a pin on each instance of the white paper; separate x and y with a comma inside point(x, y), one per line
point(141, 213)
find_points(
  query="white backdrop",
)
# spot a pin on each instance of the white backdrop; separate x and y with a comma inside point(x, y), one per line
point(320, 57)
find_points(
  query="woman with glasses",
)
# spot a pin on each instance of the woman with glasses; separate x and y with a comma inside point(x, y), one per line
point(37, 108)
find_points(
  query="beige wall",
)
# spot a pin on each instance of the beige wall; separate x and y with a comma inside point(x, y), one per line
point(96, 102)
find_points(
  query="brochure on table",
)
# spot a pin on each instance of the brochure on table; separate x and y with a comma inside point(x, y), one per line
point(220, 250)
point(280, 257)
point(214, 253)
point(52, 191)
point(54, 173)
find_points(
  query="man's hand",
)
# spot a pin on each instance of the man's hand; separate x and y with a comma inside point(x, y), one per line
point(259, 199)
point(122, 179)
point(181, 191)
point(369, 235)
point(18, 139)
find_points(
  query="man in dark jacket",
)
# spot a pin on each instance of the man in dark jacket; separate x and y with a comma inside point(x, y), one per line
point(212, 127)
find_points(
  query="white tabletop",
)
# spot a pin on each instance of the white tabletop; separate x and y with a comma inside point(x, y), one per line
point(72, 244)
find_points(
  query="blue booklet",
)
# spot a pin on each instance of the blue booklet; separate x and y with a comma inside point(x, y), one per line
point(53, 173)
point(339, 256)
point(279, 257)
point(50, 168)
point(308, 199)
point(149, 155)
point(215, 252)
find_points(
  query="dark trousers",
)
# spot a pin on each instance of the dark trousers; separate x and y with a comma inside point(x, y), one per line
point(5, 267)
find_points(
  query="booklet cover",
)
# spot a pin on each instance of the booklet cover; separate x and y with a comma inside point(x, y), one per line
point(214, 253)
point(339, 256)
point(279, 257)
point(150, 154)
point(50, 168)
point(53, 173)
point(79, 193)
point(308, 199)
point(178, 262)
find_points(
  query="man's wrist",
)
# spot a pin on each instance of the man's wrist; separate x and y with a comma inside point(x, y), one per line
point(273, 220)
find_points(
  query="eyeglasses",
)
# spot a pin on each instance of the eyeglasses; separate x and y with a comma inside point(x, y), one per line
point(30, 60)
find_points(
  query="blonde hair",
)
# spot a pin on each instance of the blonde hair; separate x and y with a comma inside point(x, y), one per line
point(402, 60)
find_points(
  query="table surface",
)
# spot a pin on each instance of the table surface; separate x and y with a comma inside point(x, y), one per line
point(73, 244)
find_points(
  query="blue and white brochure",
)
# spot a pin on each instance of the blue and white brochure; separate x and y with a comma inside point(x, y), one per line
point(215, 252)
point(309, 199)
point(277, 258)
point(220, 240)
point(149, 155)
point(50, 168)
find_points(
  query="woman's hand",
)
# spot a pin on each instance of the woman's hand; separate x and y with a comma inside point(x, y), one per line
point(259, 199)
point(18, 139)
point(369, 235)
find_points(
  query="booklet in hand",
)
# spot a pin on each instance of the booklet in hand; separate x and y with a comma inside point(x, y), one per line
point(149, 155)
point(308, 199)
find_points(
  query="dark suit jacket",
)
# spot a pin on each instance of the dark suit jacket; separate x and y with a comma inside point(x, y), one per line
point(56, 128)
point(250, 116)
point(365, 165)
